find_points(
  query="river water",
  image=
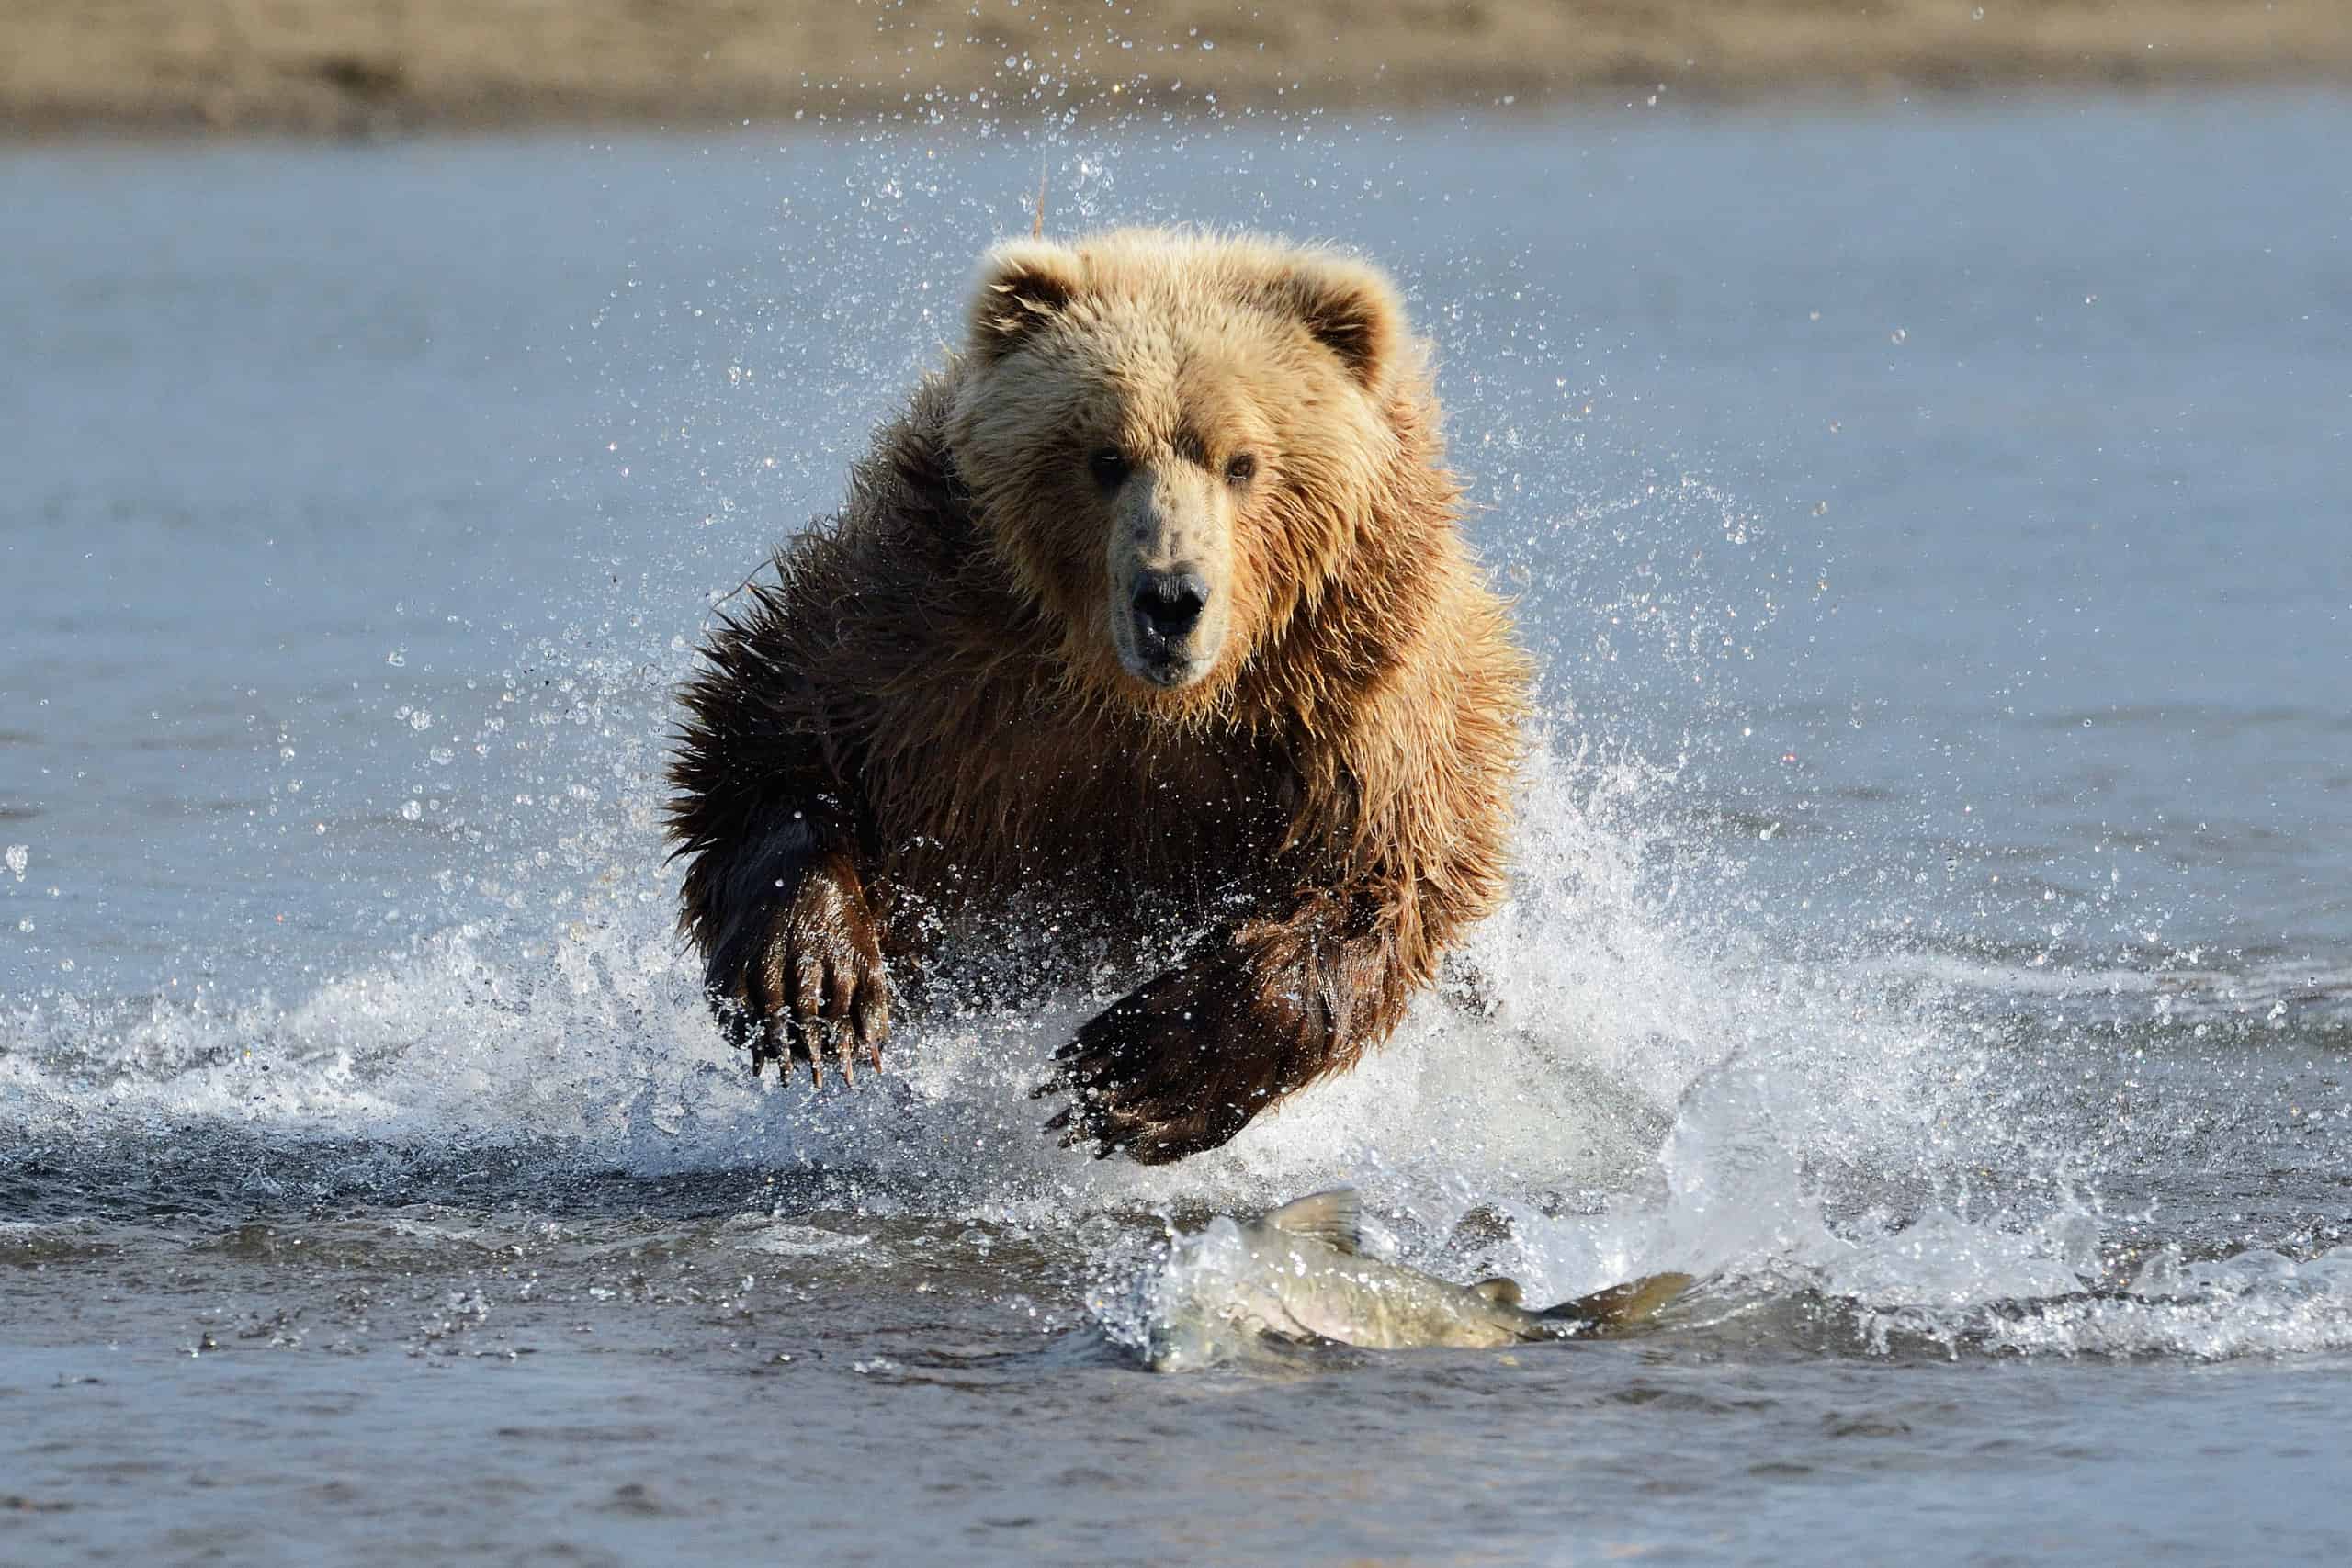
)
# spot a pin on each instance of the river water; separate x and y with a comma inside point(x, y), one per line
point(1932, 922)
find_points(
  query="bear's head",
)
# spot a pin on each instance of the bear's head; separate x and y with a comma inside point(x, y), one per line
point(1175, 442)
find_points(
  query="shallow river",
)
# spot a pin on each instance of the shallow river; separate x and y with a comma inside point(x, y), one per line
point(1932, 921)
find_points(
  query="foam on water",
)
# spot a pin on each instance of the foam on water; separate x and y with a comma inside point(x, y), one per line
point(1555, 1056)
point(1619, 1067)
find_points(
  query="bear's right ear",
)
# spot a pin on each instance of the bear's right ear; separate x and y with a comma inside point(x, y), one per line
point(1023, 285)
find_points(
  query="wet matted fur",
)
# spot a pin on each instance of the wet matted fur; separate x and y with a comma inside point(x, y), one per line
point(926, 714)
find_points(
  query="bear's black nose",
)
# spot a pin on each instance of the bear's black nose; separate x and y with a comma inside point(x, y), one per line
point(1168, 603)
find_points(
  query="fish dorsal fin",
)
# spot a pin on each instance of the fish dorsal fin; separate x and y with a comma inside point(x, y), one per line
point(1500, 1290)
point(1334, 1218)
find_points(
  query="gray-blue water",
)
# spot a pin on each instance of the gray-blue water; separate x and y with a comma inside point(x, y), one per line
point(1933, 918)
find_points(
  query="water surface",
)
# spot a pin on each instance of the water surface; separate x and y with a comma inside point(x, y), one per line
point(1931, 920)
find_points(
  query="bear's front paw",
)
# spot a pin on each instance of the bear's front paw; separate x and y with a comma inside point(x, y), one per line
point(816, 983)
point(1165, 1072)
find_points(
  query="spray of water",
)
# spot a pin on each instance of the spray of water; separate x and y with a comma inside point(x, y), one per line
point(1631, 1068)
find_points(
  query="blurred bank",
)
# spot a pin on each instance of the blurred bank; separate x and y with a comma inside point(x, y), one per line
point(330, 67)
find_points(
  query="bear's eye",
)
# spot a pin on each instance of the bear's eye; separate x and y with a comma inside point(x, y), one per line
point(1109, 467)
point(1241, 469)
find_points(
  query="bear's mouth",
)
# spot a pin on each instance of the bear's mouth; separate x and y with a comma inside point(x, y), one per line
point(1163, 665)
point(1168, 670)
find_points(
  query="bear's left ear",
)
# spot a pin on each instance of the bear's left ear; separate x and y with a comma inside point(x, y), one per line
point(1350, 308)
point(1023, 285)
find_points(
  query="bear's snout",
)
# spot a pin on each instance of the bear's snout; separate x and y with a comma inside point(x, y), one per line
point(1168, 605)
point(1171, 574)
point(1171, 634)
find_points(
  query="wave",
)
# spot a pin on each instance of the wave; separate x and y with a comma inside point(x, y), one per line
point(1625, 1064)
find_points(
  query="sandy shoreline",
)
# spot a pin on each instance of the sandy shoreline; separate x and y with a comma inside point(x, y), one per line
point(337, 67)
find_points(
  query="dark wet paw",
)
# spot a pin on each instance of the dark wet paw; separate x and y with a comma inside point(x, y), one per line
point(815, 986)
point(1151, 1077)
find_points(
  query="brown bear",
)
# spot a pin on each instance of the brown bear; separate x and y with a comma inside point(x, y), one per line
point(1153, 601)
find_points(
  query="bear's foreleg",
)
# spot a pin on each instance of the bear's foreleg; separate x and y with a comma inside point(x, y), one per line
point(767, 820)
point(1185, 1061)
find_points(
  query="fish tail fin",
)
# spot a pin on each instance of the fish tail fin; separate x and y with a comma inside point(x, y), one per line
point(1637, 1301)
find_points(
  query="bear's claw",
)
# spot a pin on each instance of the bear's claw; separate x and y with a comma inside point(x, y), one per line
point(1145, 1077)
point(816, 983)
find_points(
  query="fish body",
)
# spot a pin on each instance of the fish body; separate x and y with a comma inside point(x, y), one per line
point(1296, 1274)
